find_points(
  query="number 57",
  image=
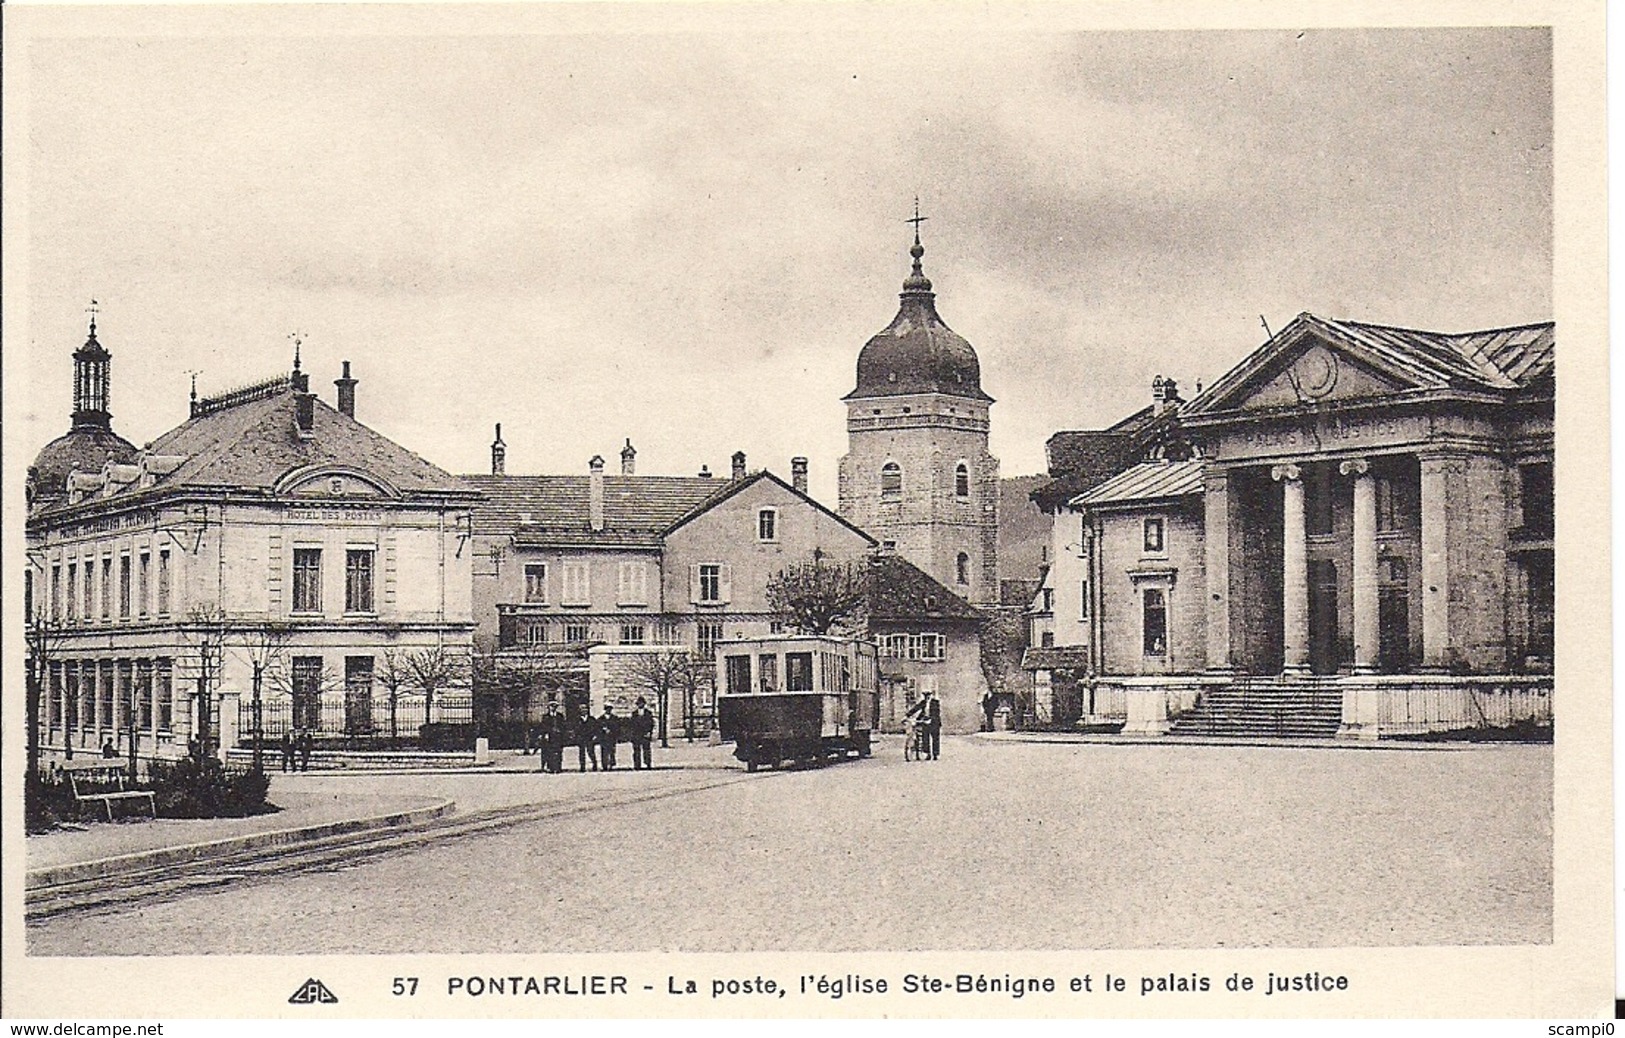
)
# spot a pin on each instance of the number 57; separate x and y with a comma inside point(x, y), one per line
point(405, 986)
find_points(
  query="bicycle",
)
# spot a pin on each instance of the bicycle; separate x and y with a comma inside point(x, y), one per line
point(916, 740)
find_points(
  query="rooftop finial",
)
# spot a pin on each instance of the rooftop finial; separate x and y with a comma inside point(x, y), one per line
point(298, 339)
point(918, 250)
point(92, 310)
point(916, 280)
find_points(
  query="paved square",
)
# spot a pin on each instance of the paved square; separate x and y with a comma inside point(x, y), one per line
point(998, 845)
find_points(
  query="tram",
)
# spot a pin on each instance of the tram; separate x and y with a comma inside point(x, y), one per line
point(791, 698)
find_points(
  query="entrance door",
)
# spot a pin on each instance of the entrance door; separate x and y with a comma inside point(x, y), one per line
point(1323, 616)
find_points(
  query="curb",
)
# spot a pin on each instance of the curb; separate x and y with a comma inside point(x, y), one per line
point(1402, 745)
point(103, 868)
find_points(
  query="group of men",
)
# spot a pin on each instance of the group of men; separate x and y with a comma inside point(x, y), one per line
point(595, 738)
point(296, 747)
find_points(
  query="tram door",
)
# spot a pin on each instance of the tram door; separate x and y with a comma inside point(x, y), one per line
point(1323, 616)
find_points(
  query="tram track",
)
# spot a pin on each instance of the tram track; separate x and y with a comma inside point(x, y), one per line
point(177, 879)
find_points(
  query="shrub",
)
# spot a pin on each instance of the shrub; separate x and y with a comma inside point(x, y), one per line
point(186, 789)
point(46, 803)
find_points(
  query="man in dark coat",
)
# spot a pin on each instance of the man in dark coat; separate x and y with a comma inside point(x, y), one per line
point(641, 727)
point(929, 711)
point(307, 742)
point(553, 739)
point(609, 733)
point(586, 734)
point(933, 723)
point(287, 750)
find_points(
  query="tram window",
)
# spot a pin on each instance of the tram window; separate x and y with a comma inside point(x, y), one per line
point(767, 665)
point(738, 675)
point(798, 672)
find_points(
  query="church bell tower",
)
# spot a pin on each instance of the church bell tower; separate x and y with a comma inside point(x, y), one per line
point(917, 474)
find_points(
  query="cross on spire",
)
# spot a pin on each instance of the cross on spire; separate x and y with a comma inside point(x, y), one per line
point(917, 219)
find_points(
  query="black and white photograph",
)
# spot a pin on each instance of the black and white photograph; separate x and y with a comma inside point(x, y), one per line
point(859, 497)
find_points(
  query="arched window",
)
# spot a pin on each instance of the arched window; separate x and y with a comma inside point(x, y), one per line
point(891, 481)
point(962, 480)
point(962, 570)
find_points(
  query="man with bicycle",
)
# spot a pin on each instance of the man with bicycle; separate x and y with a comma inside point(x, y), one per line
point(926, 725)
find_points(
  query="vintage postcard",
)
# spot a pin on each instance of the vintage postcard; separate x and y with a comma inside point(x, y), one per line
point(736, 510)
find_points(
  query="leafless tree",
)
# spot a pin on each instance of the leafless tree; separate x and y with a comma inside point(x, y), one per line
point(661, 672)
point(44, 641)
point(522, 674)
point(393, 675)
point(264, 647)
point(206, 629)
point(819, 596)
point(433, 669)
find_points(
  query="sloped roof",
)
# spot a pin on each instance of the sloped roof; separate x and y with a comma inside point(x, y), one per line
point(251, 446)
point(901, 591)
point(1149, 480)
point(1505, 358)
point(1496, 359)
point(1055, 657)
point(735, 486)
point(558, 505)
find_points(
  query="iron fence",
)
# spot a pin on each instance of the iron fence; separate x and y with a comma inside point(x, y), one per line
point(352, 719)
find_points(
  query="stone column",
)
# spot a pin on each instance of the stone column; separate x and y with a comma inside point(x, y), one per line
point(1437, 471)
point(1294, 571)
point(1366, 630)
point(1216, 545)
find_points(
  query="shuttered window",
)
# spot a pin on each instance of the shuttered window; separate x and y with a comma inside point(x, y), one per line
point(577, 584)
point(633, 585)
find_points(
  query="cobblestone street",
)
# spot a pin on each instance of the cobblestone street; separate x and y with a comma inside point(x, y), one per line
point(998, 845)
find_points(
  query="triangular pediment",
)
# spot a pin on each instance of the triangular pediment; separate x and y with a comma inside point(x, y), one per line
point(1304, 367)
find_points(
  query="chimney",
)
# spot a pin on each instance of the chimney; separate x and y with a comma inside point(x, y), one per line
point(595, 494)
point(1164, 393)
point(705, 472)
point(346, 386)
point(304, 414)
point(739, 465)
point(798, 474)
point(499, 454)
point(629, 458)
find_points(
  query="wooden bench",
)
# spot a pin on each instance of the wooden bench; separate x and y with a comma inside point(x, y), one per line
point(104, 781)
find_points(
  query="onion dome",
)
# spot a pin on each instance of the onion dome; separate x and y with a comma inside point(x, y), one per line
point(918, 352)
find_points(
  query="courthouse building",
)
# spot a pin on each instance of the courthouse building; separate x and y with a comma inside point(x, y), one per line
point(268, 524)
point(1349, 533)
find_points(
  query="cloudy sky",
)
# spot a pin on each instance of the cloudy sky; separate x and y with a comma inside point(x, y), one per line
point(684, 237)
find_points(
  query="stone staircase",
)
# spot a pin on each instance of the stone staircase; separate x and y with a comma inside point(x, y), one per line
point(1267, 708)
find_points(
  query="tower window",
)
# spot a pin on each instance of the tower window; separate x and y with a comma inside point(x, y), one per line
point(962, 568)
point(962, 480)
point(891, 481)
